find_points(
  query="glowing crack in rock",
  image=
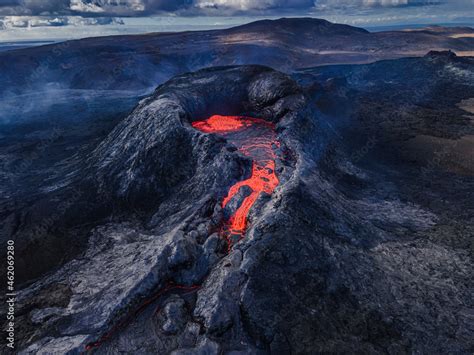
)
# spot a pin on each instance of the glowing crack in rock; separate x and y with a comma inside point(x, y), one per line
point(256, 139)
point(123, 323)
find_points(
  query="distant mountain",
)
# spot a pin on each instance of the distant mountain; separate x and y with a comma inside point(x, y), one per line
point(299, 26)
point(143, 61)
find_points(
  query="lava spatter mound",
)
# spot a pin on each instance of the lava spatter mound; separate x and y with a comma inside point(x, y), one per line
point(256, 139)
point(174, 176)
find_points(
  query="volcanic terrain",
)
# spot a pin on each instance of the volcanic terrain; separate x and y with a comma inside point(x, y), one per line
point(243, 209)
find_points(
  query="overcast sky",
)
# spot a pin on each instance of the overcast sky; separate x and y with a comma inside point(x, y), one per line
point(61, 19)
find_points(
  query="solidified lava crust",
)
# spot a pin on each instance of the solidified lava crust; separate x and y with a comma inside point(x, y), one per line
point(256, 139)
point(170, 287)
point(352, 256)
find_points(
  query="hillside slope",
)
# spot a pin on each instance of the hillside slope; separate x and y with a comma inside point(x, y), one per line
point(144, 61)
point(365, 244)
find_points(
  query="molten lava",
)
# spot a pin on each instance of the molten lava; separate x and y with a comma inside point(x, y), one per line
point(256, 139)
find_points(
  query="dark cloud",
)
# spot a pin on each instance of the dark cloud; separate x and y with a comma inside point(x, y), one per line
point(9, 3)
point(149, 7)
point(377, 3)
point(33, 7)
point(42, 6)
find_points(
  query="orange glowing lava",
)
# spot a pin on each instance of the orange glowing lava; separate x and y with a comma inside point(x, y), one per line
point(256, 139)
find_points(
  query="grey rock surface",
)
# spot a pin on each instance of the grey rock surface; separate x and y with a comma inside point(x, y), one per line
point(345, 256)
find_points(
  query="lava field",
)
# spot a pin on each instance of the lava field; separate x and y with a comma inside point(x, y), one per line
point(244, 210)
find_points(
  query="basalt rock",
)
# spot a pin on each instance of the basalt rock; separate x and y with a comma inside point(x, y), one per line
point(341, 257)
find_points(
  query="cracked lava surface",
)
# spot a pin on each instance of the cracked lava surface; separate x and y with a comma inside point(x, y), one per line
point(256, 139)
point(170, 287)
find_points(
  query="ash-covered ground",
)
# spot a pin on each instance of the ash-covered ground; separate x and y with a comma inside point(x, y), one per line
point(365, 245)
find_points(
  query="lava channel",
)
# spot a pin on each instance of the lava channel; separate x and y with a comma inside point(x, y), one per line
point(255, 138)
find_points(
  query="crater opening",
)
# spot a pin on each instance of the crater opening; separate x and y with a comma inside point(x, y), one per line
point(256, 139)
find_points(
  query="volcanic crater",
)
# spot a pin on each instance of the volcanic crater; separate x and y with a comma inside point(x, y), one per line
point(228, 213)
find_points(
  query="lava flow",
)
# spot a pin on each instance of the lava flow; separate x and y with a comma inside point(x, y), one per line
point(256, 139)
